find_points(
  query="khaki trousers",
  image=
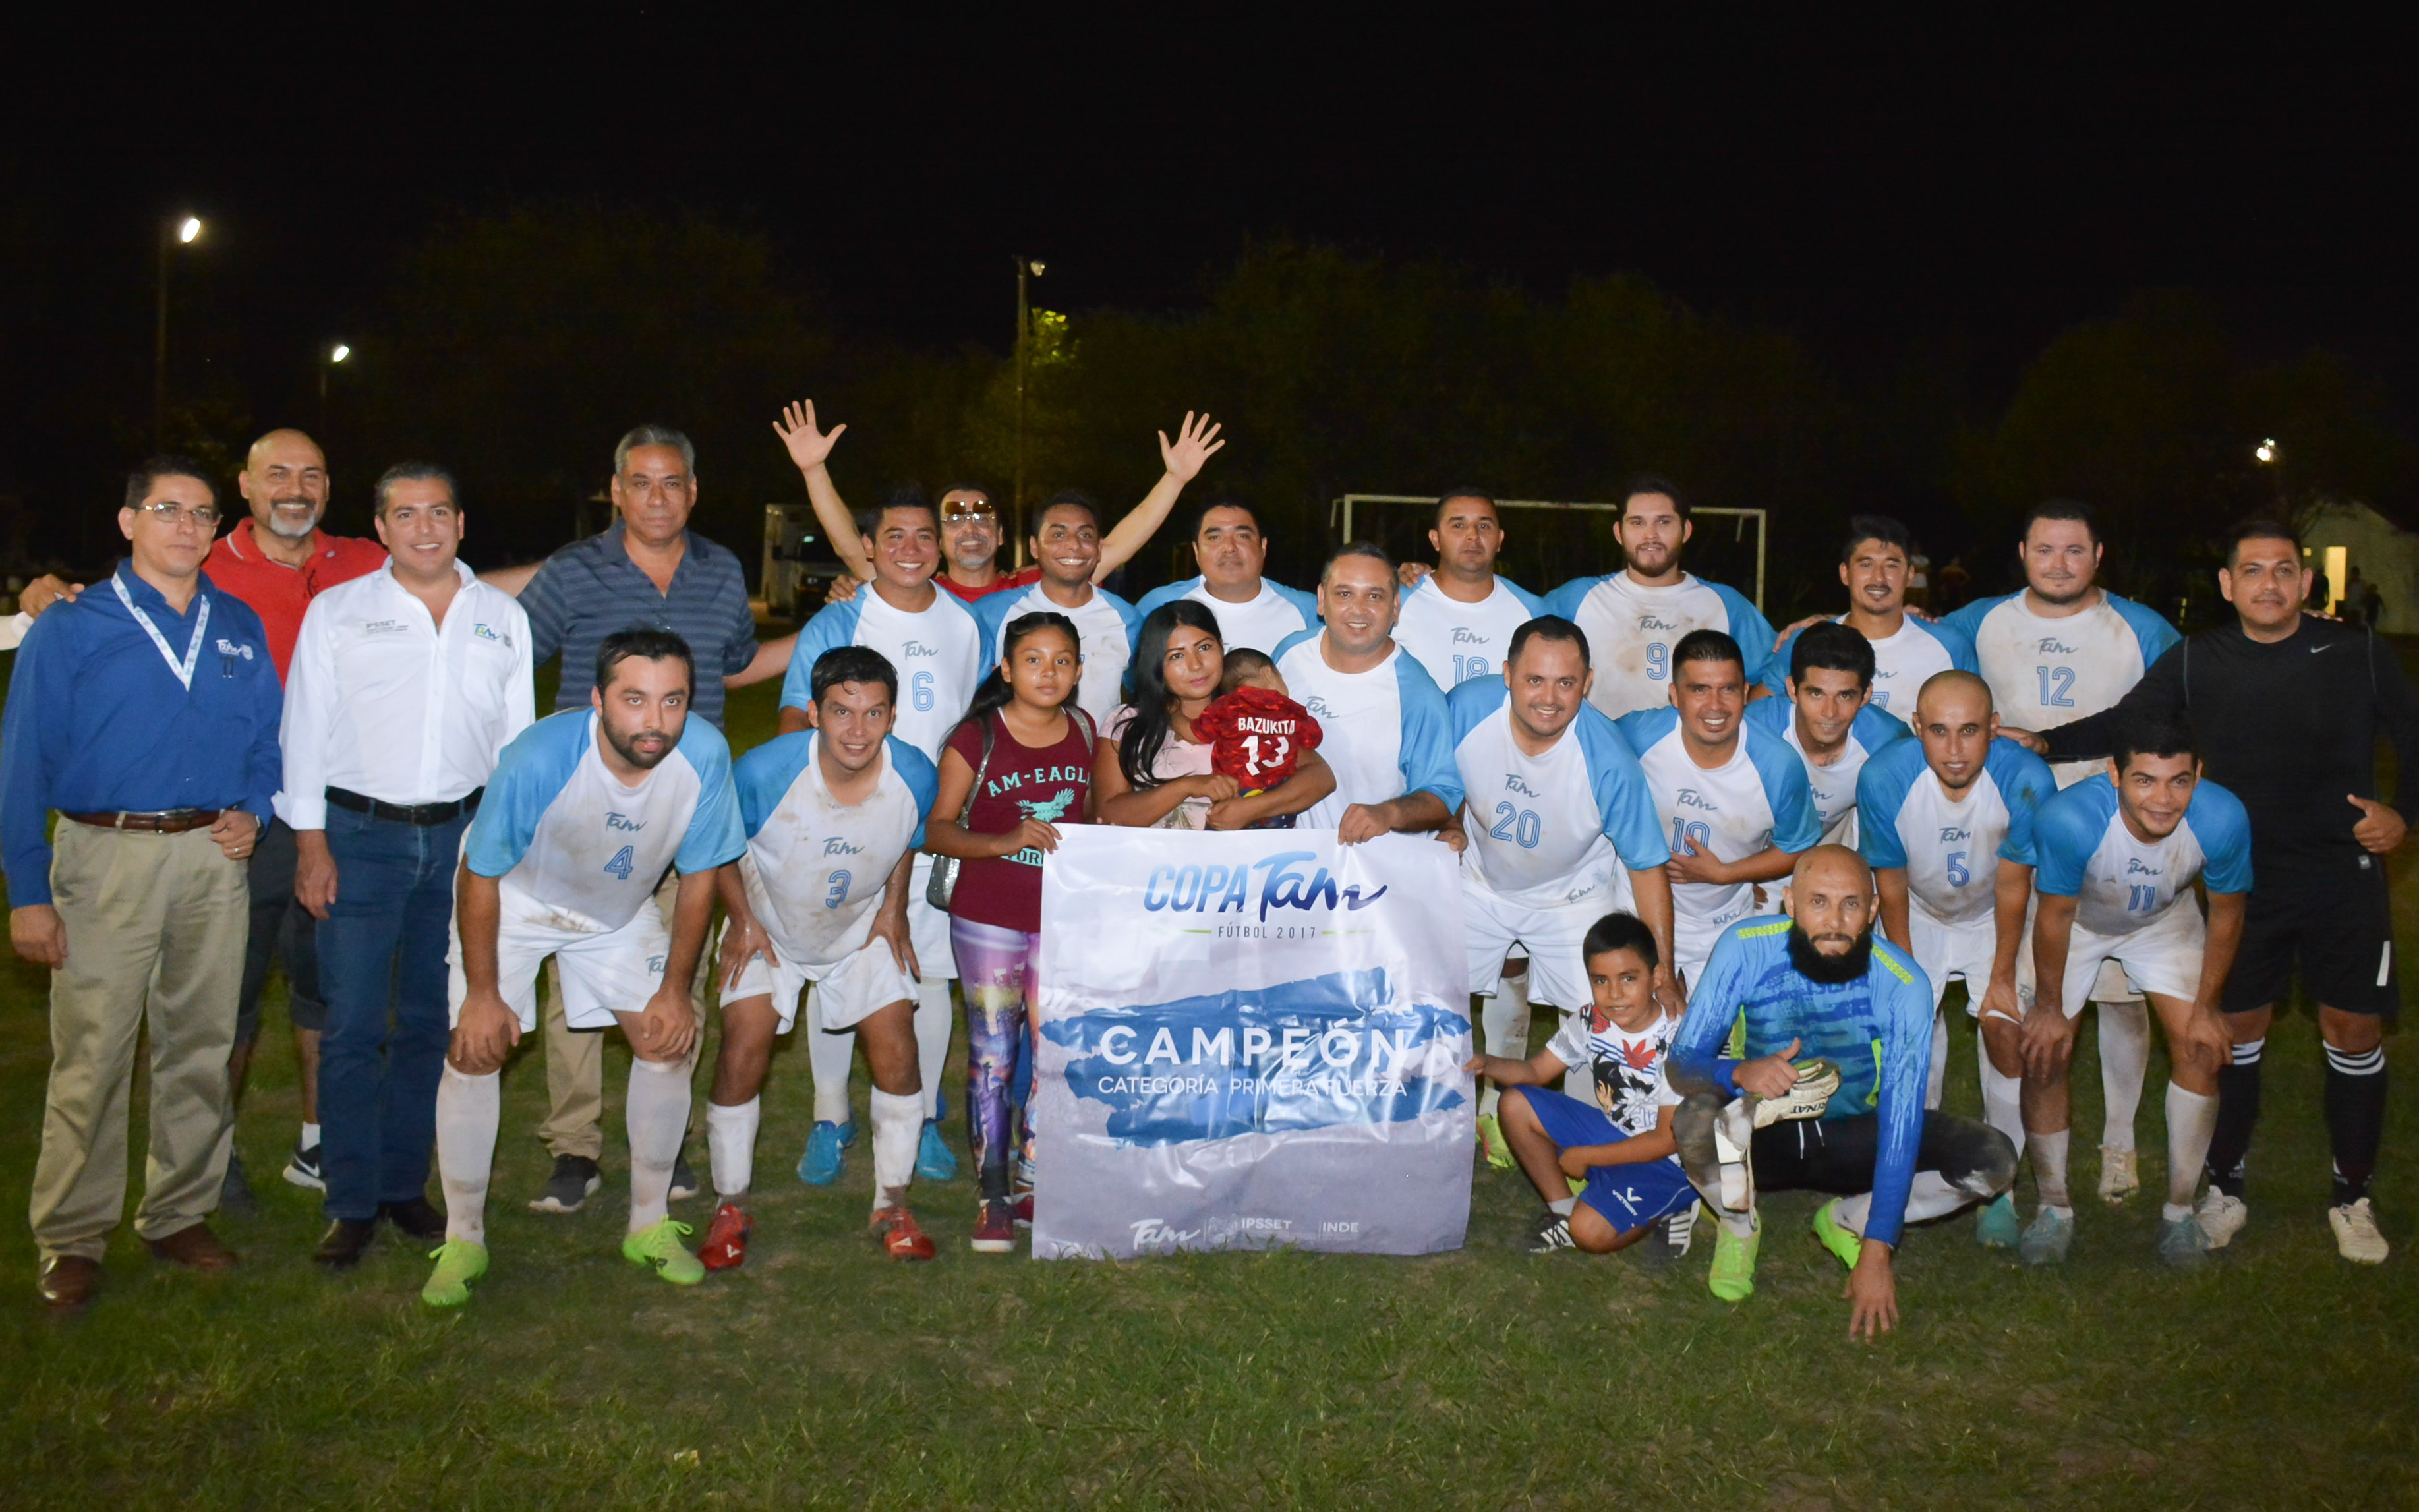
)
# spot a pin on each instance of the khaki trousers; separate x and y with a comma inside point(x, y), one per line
point(156, 926)
point(575, 1061)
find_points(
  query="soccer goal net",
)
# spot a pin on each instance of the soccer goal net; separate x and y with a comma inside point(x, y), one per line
point(1546, 542)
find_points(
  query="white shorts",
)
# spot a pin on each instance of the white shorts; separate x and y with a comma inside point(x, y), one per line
point(1553, 938)
point(1962, 951)
point(2162, 957)
point(864, 981)
point(927, 928)
point(601, 972)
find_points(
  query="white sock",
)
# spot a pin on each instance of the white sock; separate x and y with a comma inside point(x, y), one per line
point(1740, 1223)
point(2192, 1122)
point(1580, 1081)
point(898, 1124)
point(828, 1057)
point(934, 1019)
point(656, 1113)
point(2125, 1061)
point(1930, 1195)
point(1938, 1080)
point(731, 1145)
point(1504, 1019)
point(467, 1111)
point(2049, 1169)
point(1563, 1206)
point(2002, 1097)
point(310, 1136)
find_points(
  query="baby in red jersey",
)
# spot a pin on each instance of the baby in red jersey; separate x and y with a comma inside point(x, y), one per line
point(1256, 732)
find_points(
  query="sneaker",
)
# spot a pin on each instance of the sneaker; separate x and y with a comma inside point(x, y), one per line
point(1490, 1138)
point(995, 1228)
point(683, 1179)
point(726, 1239)
point(2120, 1174)
point(2047, 1239)
point(2357, 1239)
point(2182, 1242)
point(826, 1154)
point(302, 1169)
point(901, 1239)
point(235, 1193)
point(658, 1245)
point(1995, 1226)
point(576, 1180)
point(459, 1262)
point(1021, 1206)
point(933, 1160)
point(1552, 1232)
point(1664, 1247)
point(1849, 1248)
point(1733, 1277)
point(1806, 1099)
point(2221, 1217)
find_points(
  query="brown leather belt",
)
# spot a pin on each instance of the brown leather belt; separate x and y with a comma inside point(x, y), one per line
point(166, 822)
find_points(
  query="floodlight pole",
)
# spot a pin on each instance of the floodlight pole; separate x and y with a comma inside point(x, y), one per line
point(1024, 268)
point(159, 353)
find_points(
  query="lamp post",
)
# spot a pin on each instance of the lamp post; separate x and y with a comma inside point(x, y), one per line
point(180, 232)
point(1026, 268)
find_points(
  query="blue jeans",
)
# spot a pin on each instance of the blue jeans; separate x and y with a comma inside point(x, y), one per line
point(382, 947)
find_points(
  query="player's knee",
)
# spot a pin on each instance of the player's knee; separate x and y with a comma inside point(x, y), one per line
point(2352, 1033)
point(1593, 1232)
point(1512, 1108)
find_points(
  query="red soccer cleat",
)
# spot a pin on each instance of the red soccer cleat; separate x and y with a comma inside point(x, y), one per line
point(726, 1239)
point(902, 1240)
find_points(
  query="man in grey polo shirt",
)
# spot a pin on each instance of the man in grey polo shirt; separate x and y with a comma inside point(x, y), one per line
point(648, 569)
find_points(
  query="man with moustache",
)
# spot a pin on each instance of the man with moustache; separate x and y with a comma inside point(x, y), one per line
point(1252, 612)
point(1907, 648)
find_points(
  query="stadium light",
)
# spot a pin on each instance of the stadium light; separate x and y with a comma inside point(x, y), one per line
point(340, 352)
point(2266, 451)
point(184, 233)
point(189, 228)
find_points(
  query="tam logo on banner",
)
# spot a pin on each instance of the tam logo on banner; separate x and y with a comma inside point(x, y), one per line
point(1250, 1038)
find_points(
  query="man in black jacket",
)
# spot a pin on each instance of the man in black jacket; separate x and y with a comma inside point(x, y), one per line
point(2288, 707)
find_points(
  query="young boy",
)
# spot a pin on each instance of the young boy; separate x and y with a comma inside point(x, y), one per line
point(1258, 732)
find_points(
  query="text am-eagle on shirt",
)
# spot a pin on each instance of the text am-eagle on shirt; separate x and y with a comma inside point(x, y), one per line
point(937, 652)
point(1456, 642)
point(1385, 731)
point(829, 861)
point(1549, 830)
point(1631, 629)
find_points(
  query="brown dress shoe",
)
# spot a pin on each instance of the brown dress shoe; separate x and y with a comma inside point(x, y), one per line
point(194, 1247)
point(68, 1282)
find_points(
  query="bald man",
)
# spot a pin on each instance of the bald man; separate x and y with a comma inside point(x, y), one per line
point(1818, 982)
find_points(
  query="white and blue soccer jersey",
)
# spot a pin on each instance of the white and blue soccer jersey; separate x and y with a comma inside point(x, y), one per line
point(1877, 1030)
point(1832, 788)
point(1950, 848)
point(1107, 627)
point(1457, 642)
point(1385, 731)
point(2120, 884)
point(1631, 629)
point(1757, 799)
point(1261, 625)
point(1549, 830)
point(815, 867)
point(567, 835)
point(937, 654)
point(1902, 663)
point(2046, 673)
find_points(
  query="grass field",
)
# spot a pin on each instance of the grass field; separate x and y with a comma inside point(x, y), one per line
point(823, 1375)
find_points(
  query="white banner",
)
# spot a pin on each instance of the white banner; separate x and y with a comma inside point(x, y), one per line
point(1248, 1038)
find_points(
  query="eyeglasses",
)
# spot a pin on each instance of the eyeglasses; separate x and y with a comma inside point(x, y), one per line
point(168, 513)
point(958, 509)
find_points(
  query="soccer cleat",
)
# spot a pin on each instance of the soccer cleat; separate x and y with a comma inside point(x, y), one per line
point(1806, 1099)
point(574, 1181)
point(826, 1154)
point(1847, 1246)
point(2120, 1174)
point(1552, 1232)
point(2182, 1242)
point(2048, 1239)
point(2221, 1217)
point(302, 1169)
point(995, 1228)
point(1733, 1276)
point(1490, 1138)
point(1020, 1205)
point(901, 1239)
point(726, 1239)
point(459, 1262)
point(1995, 1226)
point(2357, 1239)
point(658, 1245)
point(683, 1179)
point(933, 1162)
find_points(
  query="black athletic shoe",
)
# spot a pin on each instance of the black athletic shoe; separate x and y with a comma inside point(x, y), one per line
point(418, 1218)
point(1553, 1232)
point(576, 1180)
point(302, 1169)
point(235, 1194)
point(342, 1246)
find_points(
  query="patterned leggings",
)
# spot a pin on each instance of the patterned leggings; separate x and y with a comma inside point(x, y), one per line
point(996, 973)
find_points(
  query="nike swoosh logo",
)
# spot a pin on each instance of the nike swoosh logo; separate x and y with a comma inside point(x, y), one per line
point(2314, 650)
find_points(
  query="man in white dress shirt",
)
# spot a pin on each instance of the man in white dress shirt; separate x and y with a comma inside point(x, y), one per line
point(406, 686)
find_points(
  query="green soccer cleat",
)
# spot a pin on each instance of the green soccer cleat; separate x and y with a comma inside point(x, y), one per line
point(658, 1245)
point(1733, 1277)
point(1995, 1226)
point(1847, 1246)
point(1490, 1137)
point(459, 1262)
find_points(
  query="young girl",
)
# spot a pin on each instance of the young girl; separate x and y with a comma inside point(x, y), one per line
point(1151, 769)
point(1031, 746)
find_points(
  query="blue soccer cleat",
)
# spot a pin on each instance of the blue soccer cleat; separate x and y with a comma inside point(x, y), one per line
point(933, 1162)
point(825, 1156)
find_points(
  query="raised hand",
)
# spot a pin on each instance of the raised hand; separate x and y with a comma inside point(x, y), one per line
point(1197, 441)
point(811, 448)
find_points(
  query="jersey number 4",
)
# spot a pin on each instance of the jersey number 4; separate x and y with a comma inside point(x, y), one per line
point(625, 861)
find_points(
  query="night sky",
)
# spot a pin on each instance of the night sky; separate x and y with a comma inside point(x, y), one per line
point(1865, 185)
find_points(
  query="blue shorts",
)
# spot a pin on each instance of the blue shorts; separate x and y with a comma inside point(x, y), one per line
point(1627, 1196)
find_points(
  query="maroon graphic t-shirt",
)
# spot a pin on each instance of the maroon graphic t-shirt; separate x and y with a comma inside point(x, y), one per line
point(1052, 783)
